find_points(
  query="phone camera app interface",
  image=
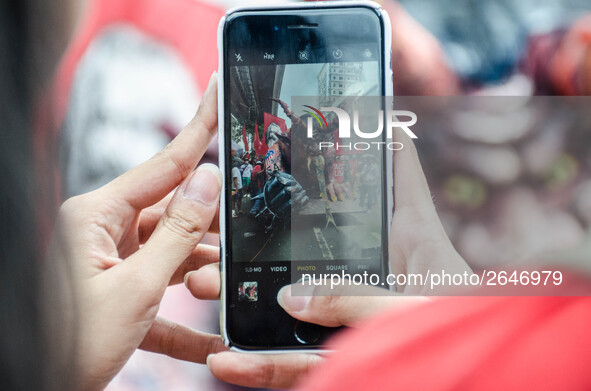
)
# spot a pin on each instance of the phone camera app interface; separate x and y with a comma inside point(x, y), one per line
point(291, 200)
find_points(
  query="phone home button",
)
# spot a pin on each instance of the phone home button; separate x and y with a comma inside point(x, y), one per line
point(307, 333)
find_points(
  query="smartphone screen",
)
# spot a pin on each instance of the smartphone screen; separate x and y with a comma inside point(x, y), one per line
point(298, 200)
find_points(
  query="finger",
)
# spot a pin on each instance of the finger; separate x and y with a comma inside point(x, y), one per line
point(150, 217)
point(412, 202)
point(410, 185)
point(183, 225)
point(333, 308)
point(202, 256)
point(262, 371)
point(180, 342)
point(151, 181)
point(205, 283)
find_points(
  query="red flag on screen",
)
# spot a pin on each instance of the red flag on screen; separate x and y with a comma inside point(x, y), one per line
point(260, 147)
point(244, 140)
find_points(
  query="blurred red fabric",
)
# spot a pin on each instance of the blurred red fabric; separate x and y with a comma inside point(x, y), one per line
point(189, 27)
point(469, 343)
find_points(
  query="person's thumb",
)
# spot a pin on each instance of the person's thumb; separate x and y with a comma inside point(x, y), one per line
point(342, 305)
point(184, 223)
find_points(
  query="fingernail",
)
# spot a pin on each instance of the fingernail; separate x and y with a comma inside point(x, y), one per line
point(208, 359)
point(211, 83)
point(205, 184)
point(187, 277)
point(295, 302)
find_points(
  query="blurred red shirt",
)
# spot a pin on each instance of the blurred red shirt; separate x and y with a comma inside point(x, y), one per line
point(469, 343)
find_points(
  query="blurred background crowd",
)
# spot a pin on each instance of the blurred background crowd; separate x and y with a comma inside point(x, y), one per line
point(508, 160)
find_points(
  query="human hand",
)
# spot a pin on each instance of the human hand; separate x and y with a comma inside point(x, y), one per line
point(279, 371)
point(418, 244)
point(130, 239)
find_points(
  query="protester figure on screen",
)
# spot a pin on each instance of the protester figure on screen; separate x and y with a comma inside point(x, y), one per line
point(339, 188)
point(369, 180)
point(236, 188)
point(278, 155)
point(257, 182)
point(246, 172)
point(319, 163)
point(281, 190)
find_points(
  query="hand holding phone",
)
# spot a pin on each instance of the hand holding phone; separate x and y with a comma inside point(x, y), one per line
point(416, 234)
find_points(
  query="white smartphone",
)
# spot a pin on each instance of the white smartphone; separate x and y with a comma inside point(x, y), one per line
point(290, 204)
